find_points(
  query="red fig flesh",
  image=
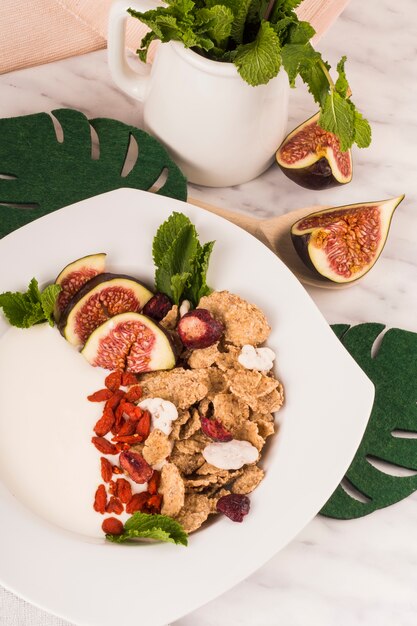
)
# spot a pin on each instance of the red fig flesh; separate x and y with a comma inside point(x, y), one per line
point(311, 157)
point(74, 276)
point(100, 298)
point(131, 342)
point(342, 244)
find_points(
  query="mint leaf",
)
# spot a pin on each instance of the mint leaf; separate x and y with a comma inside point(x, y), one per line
point(181, 261)
point(197, 286)
point(281, 27)
point(260, 60)
point(27, 309)
point(33, 291)
point(177, 259)
point(142, 52)
point(363, 133)
point(342, 84)
point(157, 527)
point(167, 233)
point(291, 4)
point(300, 32)
point(48, 299)
point(178, 282)
point(314, 77)
point(217, 22)
point(241, 13)
point(338, 117)
point(294, 56)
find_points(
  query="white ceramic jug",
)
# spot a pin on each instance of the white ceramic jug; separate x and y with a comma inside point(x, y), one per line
point(219, 130)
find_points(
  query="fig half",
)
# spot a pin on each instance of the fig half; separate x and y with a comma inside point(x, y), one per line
point(343, 243)
point(131, 342)
point(74, 276)
point(99, 299)
point(311, 157)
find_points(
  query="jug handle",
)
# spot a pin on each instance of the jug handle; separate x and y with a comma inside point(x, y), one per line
point(133, 83)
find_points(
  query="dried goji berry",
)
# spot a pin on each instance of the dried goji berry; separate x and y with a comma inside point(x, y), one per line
point(100, 396)
point(134, 393)
point(128, 428)
point(235, 506)
point(153, 504)
point(112, 487)
point(153, 483)
point(130, 439)
point(124, 490)
point(114, 400)
point(128, 379)
point(135, 466)
point(105, 423)
point(137, 502)
point(114, 380)
point(120, 447)
point(144, 425)
point(112, 526)
point(131, 411)
point(100, 499)
point(106, 469)
point(103, 445)
point(114, 506)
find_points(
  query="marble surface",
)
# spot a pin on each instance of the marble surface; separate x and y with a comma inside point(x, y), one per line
point(344, 572)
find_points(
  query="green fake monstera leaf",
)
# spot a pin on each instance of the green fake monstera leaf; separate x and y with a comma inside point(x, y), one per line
point(374, 479)
point(41, 171)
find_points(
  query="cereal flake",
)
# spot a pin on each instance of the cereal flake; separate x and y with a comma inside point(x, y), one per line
point(244, 322)
point(172, 489)
point(157, 447)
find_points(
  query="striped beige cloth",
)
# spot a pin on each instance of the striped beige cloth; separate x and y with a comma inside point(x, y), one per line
point(39, 31)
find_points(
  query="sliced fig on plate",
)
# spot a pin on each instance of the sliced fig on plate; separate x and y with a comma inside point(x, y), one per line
point(74, 276)
point(99, 299)
point(343, 243)
point(311, 157)
point(131, 342)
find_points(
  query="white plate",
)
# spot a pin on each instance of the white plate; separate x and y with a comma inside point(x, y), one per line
point(328, 402)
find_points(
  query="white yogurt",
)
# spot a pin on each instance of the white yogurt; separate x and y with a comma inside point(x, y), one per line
point(47, 459)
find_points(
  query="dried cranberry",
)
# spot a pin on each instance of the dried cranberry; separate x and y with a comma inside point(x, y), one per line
point(235, 506)
point(157, 307)
point(198, 329)
point(135, 466)
point(214, 429)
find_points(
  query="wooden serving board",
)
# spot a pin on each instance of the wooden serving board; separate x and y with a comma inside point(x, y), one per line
point(275, 233)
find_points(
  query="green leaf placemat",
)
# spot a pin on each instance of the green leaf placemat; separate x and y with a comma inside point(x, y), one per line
point(40, 173)
point(369, 484)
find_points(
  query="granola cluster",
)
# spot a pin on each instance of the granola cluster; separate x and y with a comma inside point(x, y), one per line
point(211, 383)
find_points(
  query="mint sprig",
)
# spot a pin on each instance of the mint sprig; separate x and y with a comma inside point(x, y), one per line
point(31, 307)
point(260, 36)
point(146, 526)
point(181, 261)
